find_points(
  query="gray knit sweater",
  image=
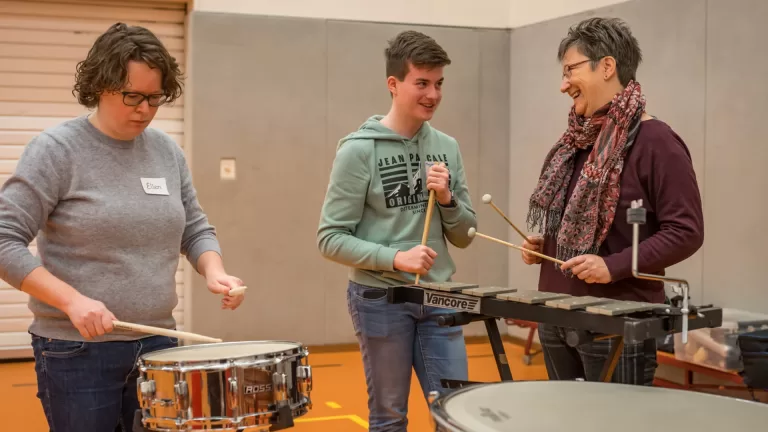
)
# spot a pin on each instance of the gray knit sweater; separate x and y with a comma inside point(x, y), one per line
point(111, 218)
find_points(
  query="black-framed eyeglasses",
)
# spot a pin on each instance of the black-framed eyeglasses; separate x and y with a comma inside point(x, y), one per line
point(136, 98)
point(568, 68)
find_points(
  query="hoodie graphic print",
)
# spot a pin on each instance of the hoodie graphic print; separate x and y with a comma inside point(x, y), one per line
point(376, 201)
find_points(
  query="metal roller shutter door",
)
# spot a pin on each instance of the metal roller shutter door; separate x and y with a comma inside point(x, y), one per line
point(41, 42)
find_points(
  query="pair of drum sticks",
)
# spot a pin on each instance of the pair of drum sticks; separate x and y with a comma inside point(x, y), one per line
point(174, 333)
point(487, 199)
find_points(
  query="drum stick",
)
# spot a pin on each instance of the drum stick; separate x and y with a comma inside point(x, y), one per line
point(473, 232)
point(488, 200)
point(237, 291)
point(424, 236)
point(163, 332)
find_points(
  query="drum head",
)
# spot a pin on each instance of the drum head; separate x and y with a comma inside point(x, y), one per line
point(591, 407)
point(220, 351)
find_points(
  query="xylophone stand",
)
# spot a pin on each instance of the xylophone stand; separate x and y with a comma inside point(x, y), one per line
point(497, 345)
point(574, 339)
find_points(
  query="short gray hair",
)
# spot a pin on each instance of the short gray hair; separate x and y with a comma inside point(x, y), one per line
point(600, 37)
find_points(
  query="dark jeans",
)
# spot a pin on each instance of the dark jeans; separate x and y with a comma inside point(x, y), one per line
point(90, 386)
point(637, 364)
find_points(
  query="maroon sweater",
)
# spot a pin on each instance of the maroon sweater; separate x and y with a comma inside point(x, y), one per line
point(658, 169)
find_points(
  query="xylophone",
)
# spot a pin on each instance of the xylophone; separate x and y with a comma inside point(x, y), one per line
point(589, 318)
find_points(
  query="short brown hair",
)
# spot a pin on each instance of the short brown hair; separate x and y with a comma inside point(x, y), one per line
point(105, 69)
point(412, 47)
point(600, 37)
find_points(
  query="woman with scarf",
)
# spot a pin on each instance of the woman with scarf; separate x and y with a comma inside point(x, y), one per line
point(612, 153)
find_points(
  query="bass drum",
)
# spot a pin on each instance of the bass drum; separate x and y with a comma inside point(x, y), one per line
point(574, 406)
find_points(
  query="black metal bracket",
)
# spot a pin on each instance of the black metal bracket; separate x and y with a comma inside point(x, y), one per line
point(497, 345)
point(283, 418)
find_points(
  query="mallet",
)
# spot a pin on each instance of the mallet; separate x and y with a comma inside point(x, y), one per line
point(473, 232)
point(424, 236)
point(161, 331)
point(487, 200)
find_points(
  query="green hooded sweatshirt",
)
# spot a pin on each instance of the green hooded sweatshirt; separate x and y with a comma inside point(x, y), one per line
point(376, 204)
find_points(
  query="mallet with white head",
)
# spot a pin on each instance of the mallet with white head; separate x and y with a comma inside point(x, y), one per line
point(473, 232)
point(488, 200)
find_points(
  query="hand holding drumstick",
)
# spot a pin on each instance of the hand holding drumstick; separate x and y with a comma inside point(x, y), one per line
point(232, 287)
point(438, 184)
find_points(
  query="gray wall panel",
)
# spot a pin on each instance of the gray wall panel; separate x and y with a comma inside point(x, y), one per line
point(493, 162)
point(260, 97)
point(736, 154)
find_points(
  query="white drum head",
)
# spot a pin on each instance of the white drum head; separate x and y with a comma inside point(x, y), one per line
point(554, 406)
point(219, 351)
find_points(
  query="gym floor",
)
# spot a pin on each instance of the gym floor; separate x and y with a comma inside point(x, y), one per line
point(339, 397)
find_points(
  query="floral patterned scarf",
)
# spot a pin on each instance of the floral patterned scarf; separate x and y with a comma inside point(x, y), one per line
point(581, 223)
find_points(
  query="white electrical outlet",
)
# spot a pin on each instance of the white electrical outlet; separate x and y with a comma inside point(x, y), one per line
point(227, 169)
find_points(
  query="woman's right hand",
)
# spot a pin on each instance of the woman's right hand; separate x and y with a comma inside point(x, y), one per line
point(536, 244)
point(89, 316)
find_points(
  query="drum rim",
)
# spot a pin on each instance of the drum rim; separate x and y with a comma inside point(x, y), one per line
point(297, 348)
point(441, 416)
point(445, 419)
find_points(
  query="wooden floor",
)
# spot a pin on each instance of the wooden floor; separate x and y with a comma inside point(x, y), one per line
point(339, 396)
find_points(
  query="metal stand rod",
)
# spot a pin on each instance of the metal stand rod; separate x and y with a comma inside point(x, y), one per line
point(498, 349)
point(636, 217)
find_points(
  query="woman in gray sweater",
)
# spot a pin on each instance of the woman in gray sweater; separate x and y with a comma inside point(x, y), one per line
point(112, 205)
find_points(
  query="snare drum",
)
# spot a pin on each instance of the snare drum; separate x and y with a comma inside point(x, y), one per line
point(224, 386)
point(555, 406)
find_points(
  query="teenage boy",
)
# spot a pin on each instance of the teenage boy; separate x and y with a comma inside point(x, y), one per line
point(373, 219)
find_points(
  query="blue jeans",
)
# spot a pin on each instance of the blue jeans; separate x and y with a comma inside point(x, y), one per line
point(394, 339)
point(90, 386)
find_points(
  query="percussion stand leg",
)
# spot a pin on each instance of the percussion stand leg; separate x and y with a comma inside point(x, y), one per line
point(613, 360)
point(498, 349)
point(284, 418)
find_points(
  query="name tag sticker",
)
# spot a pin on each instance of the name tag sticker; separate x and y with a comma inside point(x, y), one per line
point(154, 186)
